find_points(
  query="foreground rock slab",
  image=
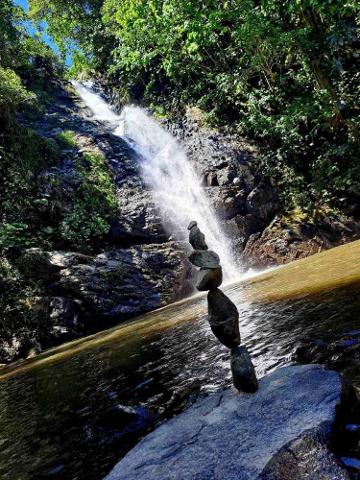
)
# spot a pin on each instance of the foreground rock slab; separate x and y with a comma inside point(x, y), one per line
point(232, 436)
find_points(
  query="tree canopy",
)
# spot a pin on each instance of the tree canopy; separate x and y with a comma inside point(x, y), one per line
point(285, 73)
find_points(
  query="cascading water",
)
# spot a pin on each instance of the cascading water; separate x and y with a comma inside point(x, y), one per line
point(165, 169)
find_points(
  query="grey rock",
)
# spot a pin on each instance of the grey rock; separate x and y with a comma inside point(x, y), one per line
point(209, 279)
point(247, 178)
point(306, 457)
point(196, 237)
point(228, 436)
point(211, 179)
point(67, 259)
point(263, 201)
point(243, 372)
point(225, 176)
point(36, 264)
point(205, 259)
point(65, 312)
point(227, 201)
point(240, 228)
point(223, 318)
point(122, 283)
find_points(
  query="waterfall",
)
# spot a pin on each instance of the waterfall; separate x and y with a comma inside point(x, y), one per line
point(166, 171)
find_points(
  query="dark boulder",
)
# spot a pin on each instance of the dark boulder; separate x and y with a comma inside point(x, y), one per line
point(263, 201)
point(36, 264)
point(196, 237)
point(122, 283)
point(209, 279)
point(226, 175)
point(227, 201)
point(243, 372)
point(223, 318)
point(240, 228)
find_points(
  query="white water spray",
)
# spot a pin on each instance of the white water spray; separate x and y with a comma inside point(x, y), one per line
point(165, 169)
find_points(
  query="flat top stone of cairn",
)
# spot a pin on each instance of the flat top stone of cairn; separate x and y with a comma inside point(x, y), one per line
point(204, 259)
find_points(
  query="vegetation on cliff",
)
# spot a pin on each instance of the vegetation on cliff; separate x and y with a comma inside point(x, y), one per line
point(30, 75)
point(284, 73)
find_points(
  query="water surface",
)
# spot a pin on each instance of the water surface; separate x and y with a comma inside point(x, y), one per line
point(71, 413)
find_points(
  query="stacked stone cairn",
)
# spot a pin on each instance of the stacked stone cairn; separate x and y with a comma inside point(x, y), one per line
point(222, 312)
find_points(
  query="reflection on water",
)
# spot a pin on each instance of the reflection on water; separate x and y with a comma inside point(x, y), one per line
point(73, 415)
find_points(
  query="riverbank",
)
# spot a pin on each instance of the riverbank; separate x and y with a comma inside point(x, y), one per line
point(286, 430)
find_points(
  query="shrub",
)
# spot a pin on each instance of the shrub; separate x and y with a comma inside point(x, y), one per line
point(94, 203)
point(12, 94)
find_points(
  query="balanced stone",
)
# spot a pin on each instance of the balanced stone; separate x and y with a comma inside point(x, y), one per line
point(209, 279)
point(243, 372)
point(223, 318)
point(196, 237)
point(205, 259)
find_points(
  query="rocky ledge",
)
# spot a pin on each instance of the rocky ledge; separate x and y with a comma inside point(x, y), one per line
point(249, 204)
point(282, 432)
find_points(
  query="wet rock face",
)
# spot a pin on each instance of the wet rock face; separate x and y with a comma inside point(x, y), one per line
point(141, 268)
point(306, 457)
point(227, 201)
point(263, 201)
point(281, 433)
point(227, 166)
point(285, 240)
point(83, 293)
point(120, 284)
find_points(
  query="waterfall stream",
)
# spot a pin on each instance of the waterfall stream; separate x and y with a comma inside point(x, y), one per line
point(166, 171)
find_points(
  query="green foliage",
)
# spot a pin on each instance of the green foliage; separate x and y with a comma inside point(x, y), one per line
point(23, 156)
point(27, 67)
point(21, 59)
point(94, 204)
point(67, 138)
point(14, 235)
point(285, 73)
point(77, 28)
point(12, 94)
